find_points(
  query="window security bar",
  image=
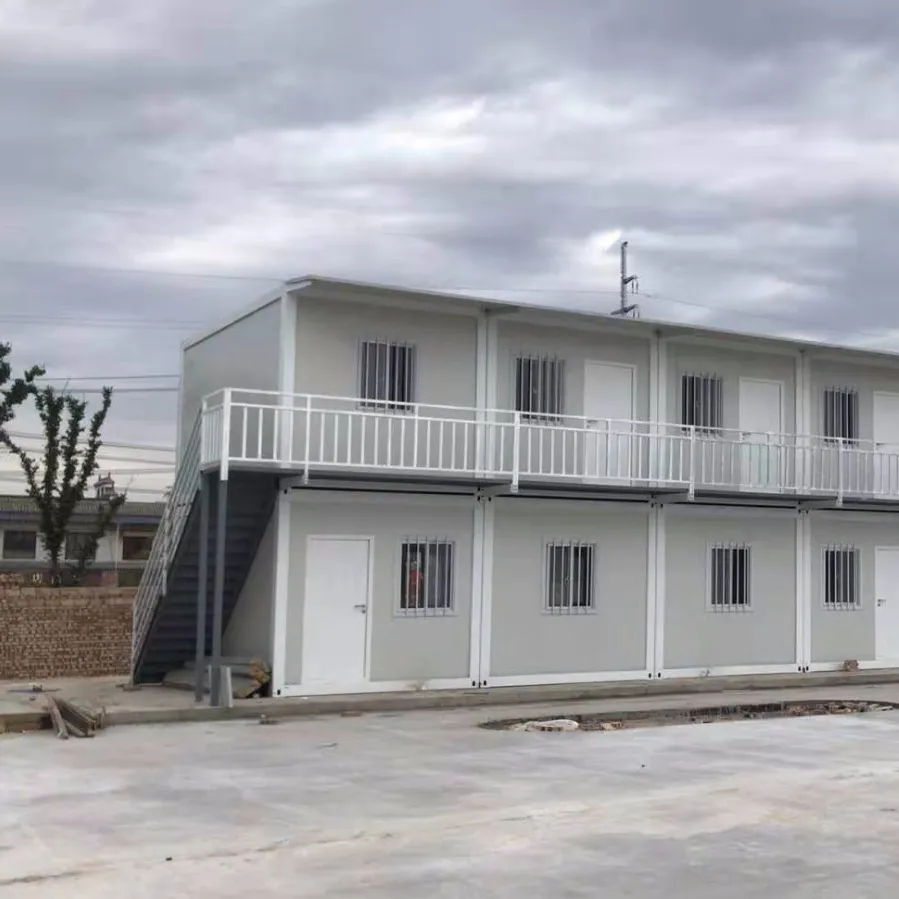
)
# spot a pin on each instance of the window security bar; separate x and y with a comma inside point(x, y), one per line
point(730, 578)
point(426, 577)
point(386, 374)
point(570, 577)
point(702, 402)
point(539, 387)
point(841, 414)
point(841, 577)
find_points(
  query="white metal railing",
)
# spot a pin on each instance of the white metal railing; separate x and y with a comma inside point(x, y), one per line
point(308, 432)
point(154, 581)
point(314, 432)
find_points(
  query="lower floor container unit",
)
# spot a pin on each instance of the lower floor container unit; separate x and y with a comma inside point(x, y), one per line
point(355, 592)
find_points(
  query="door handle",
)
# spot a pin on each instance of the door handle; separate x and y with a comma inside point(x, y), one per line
point(881, 602)
point(361, 608)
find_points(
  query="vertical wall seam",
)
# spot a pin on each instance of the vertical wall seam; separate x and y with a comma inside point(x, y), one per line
point(651, 588)
point(477, 591)
point(284, 510)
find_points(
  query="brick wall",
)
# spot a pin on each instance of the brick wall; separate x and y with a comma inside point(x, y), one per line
point(63, 632)
point(95, 576)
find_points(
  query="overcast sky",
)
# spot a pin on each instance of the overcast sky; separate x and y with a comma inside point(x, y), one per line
point(748, 150)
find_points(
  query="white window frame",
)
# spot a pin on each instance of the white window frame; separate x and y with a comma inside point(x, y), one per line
point(841, 607)
point(410, 381)
point(851, 418)
point(37, 544)
point(733, 608)
point(712, 404)
point(549, 545)
point(558, 394)
point(451, 574)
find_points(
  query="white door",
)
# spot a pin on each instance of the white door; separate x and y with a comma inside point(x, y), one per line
point(761, 454)
point(885, 473)
point(335, 610)
point(886, 598)
point(609, 410)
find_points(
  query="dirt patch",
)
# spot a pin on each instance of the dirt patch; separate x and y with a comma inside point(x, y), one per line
point(704, 715)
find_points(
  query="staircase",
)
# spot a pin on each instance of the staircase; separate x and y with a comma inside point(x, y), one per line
point(165, 611)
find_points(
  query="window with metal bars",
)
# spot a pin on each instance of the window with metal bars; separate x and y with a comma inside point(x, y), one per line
point(841, 414)
point(426, 572)
point(702, 402)
point(386, 374)
point(539, 387)
point(730, 578)
point(841, 577)
point(570, 577)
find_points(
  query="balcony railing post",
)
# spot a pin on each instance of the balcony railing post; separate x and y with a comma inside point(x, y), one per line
point(204, 432)
point(166, 541)
point(226, 434)
point(516, 450)
point(479, 442)
point(307, 439)
point(692, 488)
point(840, 458)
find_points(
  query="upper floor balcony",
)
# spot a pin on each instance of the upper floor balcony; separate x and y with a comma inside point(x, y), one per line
point(326, 435)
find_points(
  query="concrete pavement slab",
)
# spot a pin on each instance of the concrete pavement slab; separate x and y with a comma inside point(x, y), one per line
point(427, 803)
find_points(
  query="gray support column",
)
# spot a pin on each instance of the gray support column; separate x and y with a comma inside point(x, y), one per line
point(218, 597)
point(203, 587)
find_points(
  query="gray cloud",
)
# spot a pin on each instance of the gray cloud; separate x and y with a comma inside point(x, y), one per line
point(749, 152)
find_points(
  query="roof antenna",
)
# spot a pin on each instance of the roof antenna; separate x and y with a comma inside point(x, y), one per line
point(627, 281)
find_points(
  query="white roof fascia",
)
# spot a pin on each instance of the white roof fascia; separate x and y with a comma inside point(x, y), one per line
point(266, 300)
point(641, 327)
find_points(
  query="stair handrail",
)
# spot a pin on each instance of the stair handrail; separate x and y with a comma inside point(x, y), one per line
point(154, 580)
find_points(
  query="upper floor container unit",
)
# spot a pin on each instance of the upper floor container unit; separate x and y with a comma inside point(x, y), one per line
point(329, 379)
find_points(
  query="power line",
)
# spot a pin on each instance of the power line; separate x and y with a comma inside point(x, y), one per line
point(105, 463)
point(765, 317)
point(110, 378)
point(585, 291)
point(125, 270)
point(117, 390)
point(110, 463)
point(26, 435)
point(105, 324)
point(167, 473)
point(139, 491)
point(175, 324)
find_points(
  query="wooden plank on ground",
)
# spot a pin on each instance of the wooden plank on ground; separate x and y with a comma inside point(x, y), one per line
point(78, 719)
point(76, 731)
point(58, 723)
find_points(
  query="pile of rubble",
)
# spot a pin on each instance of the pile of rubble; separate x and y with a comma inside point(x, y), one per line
point(557, 724)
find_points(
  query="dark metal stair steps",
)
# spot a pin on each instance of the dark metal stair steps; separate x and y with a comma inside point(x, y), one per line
point(171, 640)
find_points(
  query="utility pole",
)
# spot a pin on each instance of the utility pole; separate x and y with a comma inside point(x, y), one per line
point(627, 281)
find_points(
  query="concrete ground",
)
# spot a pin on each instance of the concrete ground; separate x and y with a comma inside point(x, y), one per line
point(426, 803)
point(95, 692)
point(21, 710)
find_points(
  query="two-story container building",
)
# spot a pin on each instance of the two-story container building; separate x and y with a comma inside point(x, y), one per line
point(403, 490)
